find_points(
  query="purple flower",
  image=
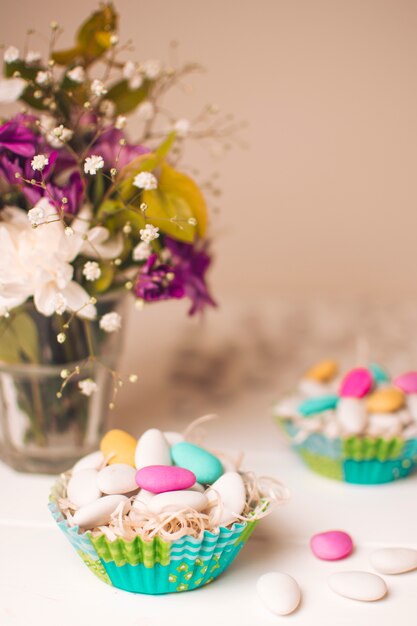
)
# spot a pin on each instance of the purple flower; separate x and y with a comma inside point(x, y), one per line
point(16, 137)
point(73, 191)
point(114, 155)
point(158, 281)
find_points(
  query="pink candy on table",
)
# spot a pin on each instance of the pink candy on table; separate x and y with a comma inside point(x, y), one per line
point(356, 383)
point(162, 478)
point(407, 382)
point(331, 545)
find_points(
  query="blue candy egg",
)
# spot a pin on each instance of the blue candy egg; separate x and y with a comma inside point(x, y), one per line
point(204, 465)
point(378, 373)
point(311, 406)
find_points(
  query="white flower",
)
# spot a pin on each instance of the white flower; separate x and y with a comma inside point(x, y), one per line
point(149, 233)
point(87, 386)
point(11, 89)
point(145, 180)
point(93, 164)
point(141, 252)
point(182, 127)
point(107, 108)
point(41, 212)
point(152, 68)
point(114, 40)
point(33, 57)
point(111, 322)
point(11, 54)
point(146, 111)
point(39, 162)
point(60, 304)
point(129, 70)
point(91, 270)
point(97, 88)
point(120, 122)
point(58, 136)
point(135, 82)
point(42, 78)
point(77, 74)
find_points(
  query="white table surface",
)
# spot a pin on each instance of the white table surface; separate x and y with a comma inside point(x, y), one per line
point(43, 581)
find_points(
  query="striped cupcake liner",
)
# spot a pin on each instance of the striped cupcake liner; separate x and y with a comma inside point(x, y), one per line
point(156, 566)
point(356, 460)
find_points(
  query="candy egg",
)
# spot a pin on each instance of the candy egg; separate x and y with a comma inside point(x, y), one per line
point(173, 437)
point(120, 445)
point(394, 560)
point(83, 488)
point(362, 586)
point(412, 405)
point(230, 489)
point(161, 478)
point(351, 415)
point(384, 425)
point(141, 500)
point(97, 513)
point(378, 373)
point(356, 383)
point(279, 592)
point(117, 478)
point(91, 461)
point(385, 401)
point(332, 545)
point(407, 382)
point(311, 406)
point(312, 388)
point(323, 371)
point(204, 465)
point(177, 500)
point(152, 449)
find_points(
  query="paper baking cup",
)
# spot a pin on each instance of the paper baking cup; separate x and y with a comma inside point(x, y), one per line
point(157, 566)
point(357, 460)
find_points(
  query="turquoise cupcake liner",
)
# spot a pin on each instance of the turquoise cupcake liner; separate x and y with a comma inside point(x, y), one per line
point(356, 460)
point(154, 567)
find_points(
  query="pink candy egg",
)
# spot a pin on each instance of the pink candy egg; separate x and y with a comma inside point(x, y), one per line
point(162, 478)
point(331, 545)
point(407, 382)
point(356, 383)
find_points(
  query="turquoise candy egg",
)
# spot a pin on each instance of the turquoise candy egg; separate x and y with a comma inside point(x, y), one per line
point(204, 465)
point(378, 373)
point(311, 406)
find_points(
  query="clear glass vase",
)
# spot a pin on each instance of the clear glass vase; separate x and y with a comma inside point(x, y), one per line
point(40, 429)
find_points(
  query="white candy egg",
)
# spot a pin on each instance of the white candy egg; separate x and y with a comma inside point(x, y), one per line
point(83, 488)
point(362, 586)
point(97, 513)
point(117, 478)
point(394, 560)
point(384, 425)
point(152, 449)
point(231, 491)
point(173, 437)
point(351, 415)
point(176, 500)
point(279, 592)
point(141, 501)
point(91, 461)
point(412, 405)
point(313, 388)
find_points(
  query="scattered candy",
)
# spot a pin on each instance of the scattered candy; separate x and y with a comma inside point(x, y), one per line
point(94, 460)
point(206, 467)
point(231, 491)
point(351, 415)
point(362, 586)
point(407, 382)
point(356, 383)
point(120, 445)
point(117, 478)
point(394, 560)
point(385, 400)
point(177, 500)
point(311, 406)
point(379, 375)
point(332, 545)
point(162, 478)
point(83, 488)
point(152, 449)
point(279, 592)
point(97, 513)
point(323, 371)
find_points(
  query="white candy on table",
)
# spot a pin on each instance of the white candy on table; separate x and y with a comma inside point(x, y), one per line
point(82, 487)
point(117, 478)
point(230, 489)
point(351, 415)
point(97, 513)
point(94, 460)
point(279, 592)
point(394, 560)
point(171, 501)
point(152, 449)
point(363, 586)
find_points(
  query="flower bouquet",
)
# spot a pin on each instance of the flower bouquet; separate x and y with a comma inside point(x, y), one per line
point(86, 217)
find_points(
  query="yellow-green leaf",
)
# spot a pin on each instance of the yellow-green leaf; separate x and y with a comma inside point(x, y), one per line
point(19, 339)
point(125, 98)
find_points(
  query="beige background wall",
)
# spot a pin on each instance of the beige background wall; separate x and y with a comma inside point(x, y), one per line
point(325, 198)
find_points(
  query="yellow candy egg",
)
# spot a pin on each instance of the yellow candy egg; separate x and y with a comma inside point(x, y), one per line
point(322, 371)
point(385, 401)
point(119, 444)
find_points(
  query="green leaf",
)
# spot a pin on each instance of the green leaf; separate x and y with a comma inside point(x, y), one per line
point(19, 339)
point(126, 99)
point(26, 71)
point(106, 278)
